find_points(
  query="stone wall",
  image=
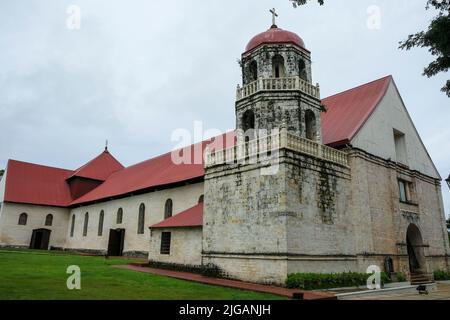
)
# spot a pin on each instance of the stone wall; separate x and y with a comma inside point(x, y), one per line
point(257, 225)
point(185, 246)
point(135, 244)
point(264, 55)
point(381, 220)
point(274, 109)
point(13, 234)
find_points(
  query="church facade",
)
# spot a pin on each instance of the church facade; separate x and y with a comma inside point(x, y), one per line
point(303, 184)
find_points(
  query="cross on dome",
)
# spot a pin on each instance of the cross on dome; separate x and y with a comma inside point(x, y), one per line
point(274, 15)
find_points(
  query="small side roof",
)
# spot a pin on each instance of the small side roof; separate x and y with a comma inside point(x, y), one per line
point(192, 217)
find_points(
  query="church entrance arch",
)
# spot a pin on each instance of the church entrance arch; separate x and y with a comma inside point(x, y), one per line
point(40, 239)
point(414, 241)
point(116, 240)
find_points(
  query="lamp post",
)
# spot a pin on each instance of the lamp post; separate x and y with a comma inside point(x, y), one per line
point(448, 181)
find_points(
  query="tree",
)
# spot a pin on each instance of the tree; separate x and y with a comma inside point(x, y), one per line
point(436, 39)
point(297, 3)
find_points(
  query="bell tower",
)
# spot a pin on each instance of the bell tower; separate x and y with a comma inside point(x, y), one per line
point(277, 85)
point(275, 202)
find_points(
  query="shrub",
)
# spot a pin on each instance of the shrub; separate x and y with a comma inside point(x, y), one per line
point(175, 266)
point(441, 275)
point(211, 270)
point(400, 277)
point(208, 270)
point(312, 281)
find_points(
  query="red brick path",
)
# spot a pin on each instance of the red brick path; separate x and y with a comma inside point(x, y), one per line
point(280, 291)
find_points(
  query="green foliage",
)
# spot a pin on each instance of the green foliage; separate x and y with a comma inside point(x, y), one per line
point(209, 270)
point(400, 277)
point(313, 281)
point(441, 275)
point(297, 3)
point(436, 39)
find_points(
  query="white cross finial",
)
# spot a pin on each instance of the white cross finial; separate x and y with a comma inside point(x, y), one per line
point(274, 15)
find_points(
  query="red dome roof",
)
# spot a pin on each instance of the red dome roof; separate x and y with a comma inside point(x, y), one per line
point(274, 35)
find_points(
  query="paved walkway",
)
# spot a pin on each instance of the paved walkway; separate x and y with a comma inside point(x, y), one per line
point(442, 293)
point(280, 291)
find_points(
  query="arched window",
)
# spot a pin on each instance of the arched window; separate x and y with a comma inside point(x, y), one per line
point(168, 208)
point(201, 199)
point(141, 219)
point(248, 120)
point(248, 125)
point(100, 223)
point(253, 70)
point(119, 217)
point(278, 70)
point(49, 220)
point(86, 224)
point(310, 125)
point(302, 69)
point(23, 219)
point(72, 226)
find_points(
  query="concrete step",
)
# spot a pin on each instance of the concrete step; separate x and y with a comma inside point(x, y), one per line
point(420, 278)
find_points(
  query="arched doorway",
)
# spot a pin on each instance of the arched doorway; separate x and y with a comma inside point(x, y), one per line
point(116, 242)
point(40, 239)
point(416, 256)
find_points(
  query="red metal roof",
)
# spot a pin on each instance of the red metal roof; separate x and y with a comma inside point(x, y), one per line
point(36, 184)
point(155, 172)
point(273, 36)
point(99, 168)
point(192, 217)
point(349, 110)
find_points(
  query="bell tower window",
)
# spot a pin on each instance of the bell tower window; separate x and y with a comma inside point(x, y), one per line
point(248, 120)
point(302, 69)
point(310, 125)
point(253, 71)
point(278, 66)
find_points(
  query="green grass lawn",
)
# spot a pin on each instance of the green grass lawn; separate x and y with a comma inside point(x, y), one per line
point(30, 274)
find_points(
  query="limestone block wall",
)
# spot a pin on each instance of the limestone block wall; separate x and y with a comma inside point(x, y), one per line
point(274, 109)
point(317, 200)
point(262, 227)
point(183, 198)
point(264, 55)
point(13, 234)
point(243, 211)
point(185, 246)
point(381, 221)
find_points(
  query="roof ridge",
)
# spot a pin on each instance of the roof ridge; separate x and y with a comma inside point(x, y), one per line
point(359, 86)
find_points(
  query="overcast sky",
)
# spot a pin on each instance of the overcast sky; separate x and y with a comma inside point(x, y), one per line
point(137, 70)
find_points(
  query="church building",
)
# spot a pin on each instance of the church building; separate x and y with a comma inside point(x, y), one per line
point(304, 184)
